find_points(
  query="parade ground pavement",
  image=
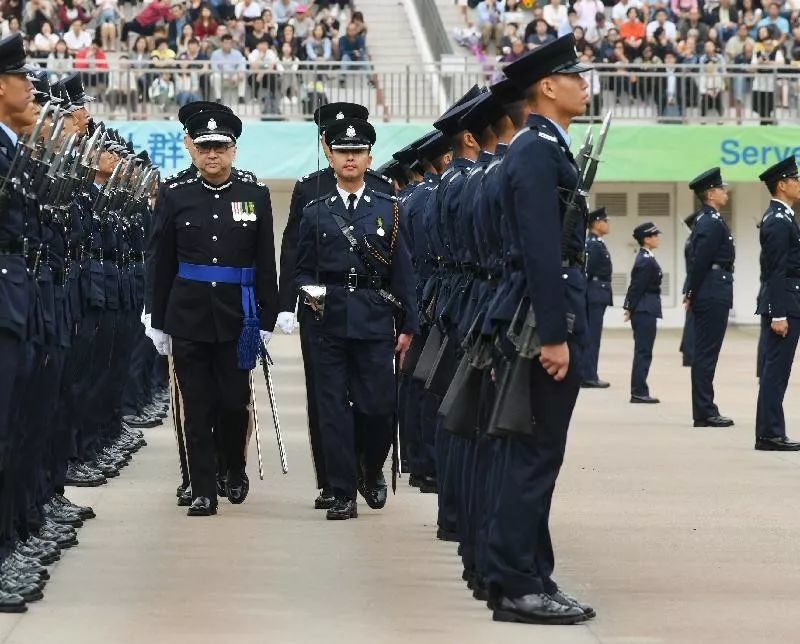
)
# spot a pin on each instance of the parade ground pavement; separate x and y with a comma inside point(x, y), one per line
point(674, 534)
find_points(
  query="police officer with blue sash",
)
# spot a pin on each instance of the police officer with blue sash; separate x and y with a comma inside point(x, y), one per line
point(709, 292)
point(598, 294)
point(643, 308)
point(214, 300)
point(778, 303)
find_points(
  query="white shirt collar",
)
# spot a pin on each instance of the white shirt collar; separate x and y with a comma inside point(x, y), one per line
point(782, 203)
point(10, 133)
point(344, 194)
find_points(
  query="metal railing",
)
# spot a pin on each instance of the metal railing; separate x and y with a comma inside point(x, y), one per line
point(644, 93)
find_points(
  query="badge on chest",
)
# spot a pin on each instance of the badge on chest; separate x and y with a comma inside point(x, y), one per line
point(243, 210)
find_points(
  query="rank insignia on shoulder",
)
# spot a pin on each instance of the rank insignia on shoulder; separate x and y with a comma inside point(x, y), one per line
point(548, 137)
point(779, 215)
point(367, 199)
point(243, 210)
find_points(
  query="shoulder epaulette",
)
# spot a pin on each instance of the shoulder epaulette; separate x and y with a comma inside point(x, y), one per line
point(310, 175)
point(244, 175)
point(317, 200)
point(548, 137)
point(378, 175)
point(375, 193)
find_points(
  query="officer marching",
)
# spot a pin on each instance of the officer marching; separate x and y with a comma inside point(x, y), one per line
point(354, 273)
point(598, 294)
point(709, 292)
point(214, 300)
point(778, 304)
point(643, 308)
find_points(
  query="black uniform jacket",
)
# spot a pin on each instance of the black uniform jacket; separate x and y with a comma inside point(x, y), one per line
point(360, 314)
point(710, 277)
point(227, 225)
point(644, 291)
point(598, 272)
point(779, 295)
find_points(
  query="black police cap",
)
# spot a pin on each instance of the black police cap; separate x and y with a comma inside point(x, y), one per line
point(434, 147)
point(485, 110)
point(214, 126)
point(599, 214)
point(195, 107)
point(449, 122)
point(647, 229)
point(350, 134)
point(393, 170)
point(707, 180)
point(12, 56)
point(59, 91)
point(506, 91)
point(557, 57)
point(144, 156)
point(41, 87)
point(77, 93)
point(408, 155)
point(326, 115)
point(785, 169)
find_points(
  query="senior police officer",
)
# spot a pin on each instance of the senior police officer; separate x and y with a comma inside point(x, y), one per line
point(598, 294)
point(214, 300)
point(350, 245)
point(642, 308)
point(305, 190)
point(778, 303)
point(536, 171)
point(709, 292)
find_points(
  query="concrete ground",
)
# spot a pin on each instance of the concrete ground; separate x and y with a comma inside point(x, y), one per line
point(674, 534)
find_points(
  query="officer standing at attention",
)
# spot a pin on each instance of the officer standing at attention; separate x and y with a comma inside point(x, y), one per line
point(537, 169)
point(643, 308)
point(709, 293)
point(687, 337)
point(214, 300)
point(598, 294)
point(778, 303)
point(305, 190)
point(350, 243)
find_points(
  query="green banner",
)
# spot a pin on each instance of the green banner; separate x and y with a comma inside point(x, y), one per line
point(287, 150)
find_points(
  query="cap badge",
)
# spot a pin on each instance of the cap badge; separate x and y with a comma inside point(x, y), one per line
point(351, 132)
point(339, 116)
point(212, 124)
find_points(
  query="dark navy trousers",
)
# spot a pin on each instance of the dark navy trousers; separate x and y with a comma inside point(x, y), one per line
point(595, 314)
point(644, 337)
point(777, 355)
point(710, 324)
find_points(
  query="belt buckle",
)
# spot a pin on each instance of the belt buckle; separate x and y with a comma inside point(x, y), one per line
point(351, 282)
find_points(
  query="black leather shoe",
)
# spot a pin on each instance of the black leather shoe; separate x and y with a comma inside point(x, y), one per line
point(428, 485)
point(181, 489)
point(202, 507)
point(76, 477)
point(568, 600)
point(414, 480)
point(325, 501)
point(141, 422)
point(714, 421)
point(342, 509)
point(647, 400)
point(536, 609)
point(782, 444)
point(83, 511)
point(375, 493)
point(12, 603)
point(185, 499)
point(237, 487)
point(595, 384)
point(446, 535)
point(222, 486)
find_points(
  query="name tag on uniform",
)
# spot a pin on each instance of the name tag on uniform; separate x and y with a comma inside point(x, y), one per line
point(243, 210)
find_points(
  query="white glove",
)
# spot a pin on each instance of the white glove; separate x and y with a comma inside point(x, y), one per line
point(266, 336)
point(148, 329)
point(161, 341)
point(286, 322)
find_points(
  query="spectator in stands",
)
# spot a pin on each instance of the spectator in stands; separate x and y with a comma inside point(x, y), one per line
point(35, 14)
point(331, 26)
point(687, 50)
point(93, 64)
point(228, 67)
point(288, 65)
point(358, 20)
point(648, 61)
point(205, 26)
point(767, 55)
point(120, 90)
point(693, 21)
point(711, 82)
point(620, 84)
point(794, 45)
point(515, 51)
point(77, 37)
point(11, 27)
point(540, 36)
point(248, 10)
point(187, 35)
point(509, 34)
point(237, 29)
point(554, 14)
point(662, 20)
point(162, 91)
point(263, 62)
point(288, 37)
point(598, 30)
point(284, 11)
point(489, 22)
point(303, 23)
point(670, 93)
point(179, 20)
point(632, 32)
point(587, 11)
point(682, 8)
point(749, 15)
point(256, 34)
point(736, 45)
point(140, 61)
point(568, 26)
point(70, 11)
point(270, 24)
point(619, 12)
point(592, 79)
point(580, 38)
point(353, 49)
point(190, 85)
point(162, 55)
point(725, 18)
point(779, 26)
point(145, 23)
point(605, 48)
point(743, 81)
point(59, 62)
point(45, 41)
point(107, 17)
point(193, 10)
point(318, 47)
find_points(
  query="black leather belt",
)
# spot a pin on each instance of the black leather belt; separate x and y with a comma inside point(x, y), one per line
point(14, 247)
point(722, 267)
point(354, 281)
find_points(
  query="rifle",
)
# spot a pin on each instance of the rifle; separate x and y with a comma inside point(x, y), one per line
point(45, 161)
point(512, 413)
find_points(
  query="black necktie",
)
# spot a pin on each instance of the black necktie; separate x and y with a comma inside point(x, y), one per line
point(351, 205)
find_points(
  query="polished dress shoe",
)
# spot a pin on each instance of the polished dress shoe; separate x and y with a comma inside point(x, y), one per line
point(141, 422)
point(222, 486)
point(646, 400)
point(569, 600)
point(428, 485)
point(780, 444)
point(595, 384)
point(446, 535)
point(714, 421)
point(76, 477)
point(237, 487)
point(11, 603)
point(28, 592)
point(414, 480)
point(375, 492)
point(202, 507)
point(185, 498)
point(325, 501)
point(83, 511)
point(537, 608)
point(342, 509)
point(181, 489)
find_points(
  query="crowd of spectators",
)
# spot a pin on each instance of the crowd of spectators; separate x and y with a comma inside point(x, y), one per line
point(673, 54)
point(171, 52)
